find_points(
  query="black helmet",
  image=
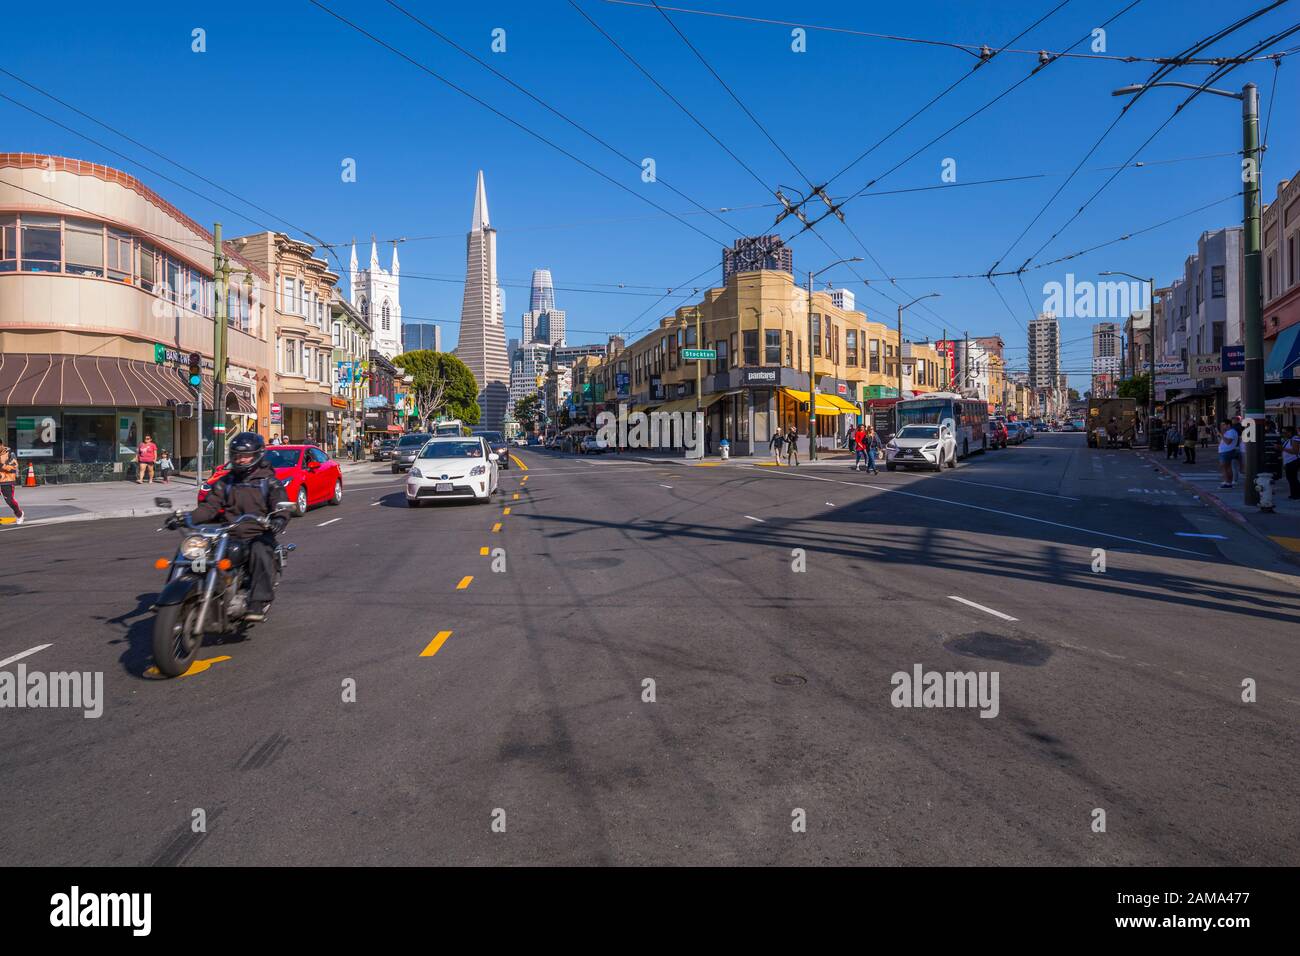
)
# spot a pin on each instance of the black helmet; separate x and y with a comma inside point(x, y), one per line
point(246, 443)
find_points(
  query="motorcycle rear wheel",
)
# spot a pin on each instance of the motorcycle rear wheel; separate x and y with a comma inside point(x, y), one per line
point(174, 644)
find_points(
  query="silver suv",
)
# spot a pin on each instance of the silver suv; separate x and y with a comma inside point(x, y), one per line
point(408, 446)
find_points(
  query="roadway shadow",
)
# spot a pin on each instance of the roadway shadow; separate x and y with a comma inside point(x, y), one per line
point(878, 531)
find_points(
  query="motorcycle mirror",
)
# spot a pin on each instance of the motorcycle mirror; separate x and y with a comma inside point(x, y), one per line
point(163, 503)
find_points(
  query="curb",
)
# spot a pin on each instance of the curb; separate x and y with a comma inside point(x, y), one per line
point(1225, 509)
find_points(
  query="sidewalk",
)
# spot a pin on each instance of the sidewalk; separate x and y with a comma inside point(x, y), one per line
point(88, 501)
point(54, 504)
point(1281, 528)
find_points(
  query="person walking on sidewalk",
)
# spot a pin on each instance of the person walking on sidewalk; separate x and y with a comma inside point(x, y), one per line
point(146, 455)
point(165, 467)
point(777, 445)
point(9, 480)
point(792, 447)
point(1291, 461)
point(1189, 443)
point(1173, 438)
point(1229, 449)
point(861, 449)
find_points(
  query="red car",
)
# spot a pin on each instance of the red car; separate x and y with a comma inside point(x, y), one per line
point(309, 475)
point(998, 436)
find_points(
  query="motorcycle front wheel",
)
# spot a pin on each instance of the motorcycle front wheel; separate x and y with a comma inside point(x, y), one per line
point(175, 644)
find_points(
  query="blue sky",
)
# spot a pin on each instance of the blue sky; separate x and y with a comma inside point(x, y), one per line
point(300, 92)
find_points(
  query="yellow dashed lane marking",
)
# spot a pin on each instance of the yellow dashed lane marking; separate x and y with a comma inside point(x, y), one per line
point(483, 550)
point(1291, 544)
point(515, 496)
point(496, 527)
point(505, 511)
point(437, 642)
point(706, 464)
point(518, 462)
point(464, 582)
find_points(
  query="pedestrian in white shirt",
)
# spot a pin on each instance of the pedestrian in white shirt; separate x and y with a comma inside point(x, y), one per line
point(1229, 449)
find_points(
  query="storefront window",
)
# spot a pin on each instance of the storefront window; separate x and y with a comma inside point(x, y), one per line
point(158, 426)
point(89, 436)
point(34, 433)
point(40, 243)
point(84, 243)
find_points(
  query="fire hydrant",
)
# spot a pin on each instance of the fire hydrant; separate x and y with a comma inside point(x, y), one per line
point(724, 449)
point(1264, 485)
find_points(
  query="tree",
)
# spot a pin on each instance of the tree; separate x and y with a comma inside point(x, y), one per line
point(527, 411)
point(441, 384)
point(1074, 394)
point(1139, 387)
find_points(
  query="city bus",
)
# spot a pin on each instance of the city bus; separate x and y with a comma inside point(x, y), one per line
point(967, 418)
point(451, 428)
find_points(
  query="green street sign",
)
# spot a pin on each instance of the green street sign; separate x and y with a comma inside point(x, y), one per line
point(695, 355)
point(159, 354)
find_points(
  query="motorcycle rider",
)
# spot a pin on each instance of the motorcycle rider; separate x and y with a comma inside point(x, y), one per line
point(249, 488)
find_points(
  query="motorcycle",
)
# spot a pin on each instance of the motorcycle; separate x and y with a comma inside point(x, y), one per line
point(207, 587)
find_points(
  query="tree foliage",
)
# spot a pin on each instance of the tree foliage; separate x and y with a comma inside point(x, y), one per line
point(528, 410)
point(1139, 387)
point(441, 385)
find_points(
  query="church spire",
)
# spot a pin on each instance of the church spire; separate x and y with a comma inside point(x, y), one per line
point(396, 267)
point(374, 254)
point(480, 206)
point(352, 272)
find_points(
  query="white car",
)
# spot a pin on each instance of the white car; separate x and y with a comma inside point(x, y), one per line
point(921, 446)
point(462, 468)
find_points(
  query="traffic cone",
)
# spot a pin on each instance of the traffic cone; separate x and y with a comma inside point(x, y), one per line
point(31, 476)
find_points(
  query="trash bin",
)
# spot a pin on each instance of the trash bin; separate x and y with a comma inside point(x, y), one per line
point(724, 449)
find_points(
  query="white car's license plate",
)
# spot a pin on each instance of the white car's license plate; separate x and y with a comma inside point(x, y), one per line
point(443, 486)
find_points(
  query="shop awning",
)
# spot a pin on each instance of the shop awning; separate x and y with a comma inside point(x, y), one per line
point(825, 405)
point(51, 379)
point(314, 400)
point(1284, 358)
point(684, 405)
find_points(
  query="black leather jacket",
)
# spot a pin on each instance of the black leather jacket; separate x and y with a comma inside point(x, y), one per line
point(256, 493)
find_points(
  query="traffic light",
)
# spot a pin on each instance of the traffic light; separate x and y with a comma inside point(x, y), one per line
point(196, 369)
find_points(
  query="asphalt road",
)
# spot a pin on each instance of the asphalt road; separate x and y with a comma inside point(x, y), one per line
point(1118, 690)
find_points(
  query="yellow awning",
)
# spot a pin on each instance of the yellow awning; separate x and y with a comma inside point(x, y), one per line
point(824, 404)
point(844, 406)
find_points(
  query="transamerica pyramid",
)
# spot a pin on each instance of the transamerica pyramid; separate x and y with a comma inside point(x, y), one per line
point(482, 341)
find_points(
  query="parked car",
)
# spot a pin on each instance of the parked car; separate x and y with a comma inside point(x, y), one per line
point(498, 445)
point(591, 445)
point(1015, 433)
point(1029, 429)
point(310, 477)
point(921, 446)
point(449, 467)
point(408, 446)
point(997, 433)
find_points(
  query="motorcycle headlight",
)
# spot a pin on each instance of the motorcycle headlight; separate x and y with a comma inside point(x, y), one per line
point(194, 546)
point(416, 473)
point(478, 470)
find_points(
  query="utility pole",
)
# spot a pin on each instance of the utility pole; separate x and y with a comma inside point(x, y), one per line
point(1253, 379)
point(220, 281)
point(699, 385)
point(812, 379)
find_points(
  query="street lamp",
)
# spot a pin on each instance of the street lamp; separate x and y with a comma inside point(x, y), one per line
point(812, 373)
point(1253, 377)
point(1151, 372)
point(932, 295)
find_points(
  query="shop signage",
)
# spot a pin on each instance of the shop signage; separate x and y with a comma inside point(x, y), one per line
point(338, 402)
point(1170, 367)
point(760, 376)
point(1233, 358)
point(162, 355)
point(622, 384)
point(842, 389)
point(1206, 366)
